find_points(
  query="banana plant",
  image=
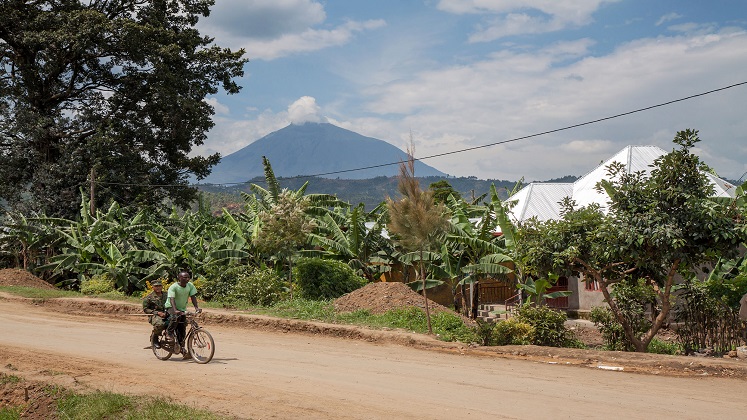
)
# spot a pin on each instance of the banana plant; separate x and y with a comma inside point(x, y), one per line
point(350, 235)
point(536, 290)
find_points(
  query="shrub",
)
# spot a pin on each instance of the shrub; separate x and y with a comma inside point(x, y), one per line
point(484, 332)
point(708, 313)
point(663, 347)
point(219, 283)
point(512, 331)
point(612, 331)
point(549, 325)
point(98, 284)
point(325, 279)
point(258, 286)
point(450, 327)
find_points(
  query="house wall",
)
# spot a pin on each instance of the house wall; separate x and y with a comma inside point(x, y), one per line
point(582, 301)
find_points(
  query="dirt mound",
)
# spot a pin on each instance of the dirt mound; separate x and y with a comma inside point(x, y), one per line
point(381, 297)
point(18, 277)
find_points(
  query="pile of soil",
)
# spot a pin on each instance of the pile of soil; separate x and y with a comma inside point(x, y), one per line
point(18, 277)
point(382, 297)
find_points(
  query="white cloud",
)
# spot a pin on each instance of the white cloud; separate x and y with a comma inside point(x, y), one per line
point(514, 17)
point(219, 107)
point(515, 93)
point(668, 18)
point(309, 40)
point(304, 110)
point(269, 29)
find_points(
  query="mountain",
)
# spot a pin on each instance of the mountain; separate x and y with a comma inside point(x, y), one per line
point(314, 149)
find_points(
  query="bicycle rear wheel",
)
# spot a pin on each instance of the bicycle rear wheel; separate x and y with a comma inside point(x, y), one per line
point(201, 346)
point(165, 348)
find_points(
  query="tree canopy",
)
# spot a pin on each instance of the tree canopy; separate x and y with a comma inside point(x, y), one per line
point(659, 225)
point(116, 87)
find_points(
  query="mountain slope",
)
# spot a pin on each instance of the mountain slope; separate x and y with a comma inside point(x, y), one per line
point(311, 149)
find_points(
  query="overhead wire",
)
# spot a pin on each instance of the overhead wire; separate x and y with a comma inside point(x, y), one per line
point(467, 149)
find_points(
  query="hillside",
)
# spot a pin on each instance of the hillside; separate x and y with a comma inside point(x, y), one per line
point(311, 149)
point(370, 192)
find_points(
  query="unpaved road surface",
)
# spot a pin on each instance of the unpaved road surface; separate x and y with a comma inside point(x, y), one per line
point(263, 375)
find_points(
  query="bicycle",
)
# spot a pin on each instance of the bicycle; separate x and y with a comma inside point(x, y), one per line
point(199, 342)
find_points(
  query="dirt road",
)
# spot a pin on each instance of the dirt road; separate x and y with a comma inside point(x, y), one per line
point(263, 375)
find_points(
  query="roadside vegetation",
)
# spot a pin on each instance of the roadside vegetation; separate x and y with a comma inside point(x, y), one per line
point(290, 254)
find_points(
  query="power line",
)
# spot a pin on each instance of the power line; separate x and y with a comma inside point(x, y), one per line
point(453, 152)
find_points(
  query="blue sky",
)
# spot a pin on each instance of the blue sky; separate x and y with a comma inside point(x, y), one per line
point(456, 74)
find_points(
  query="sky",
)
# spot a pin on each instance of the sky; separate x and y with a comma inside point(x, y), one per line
point(457, 74)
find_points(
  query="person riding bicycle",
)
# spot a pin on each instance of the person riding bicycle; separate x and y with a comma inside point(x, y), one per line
point(176, 305)
point(154, 305)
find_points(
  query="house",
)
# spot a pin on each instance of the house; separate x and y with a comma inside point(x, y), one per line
point(542, 200)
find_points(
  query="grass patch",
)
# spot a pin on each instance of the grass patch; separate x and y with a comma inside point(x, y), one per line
point(10, 413)
point(34, 293)
point(447, 326)
point(110, 405)
point(9, 379)
point(665, 347)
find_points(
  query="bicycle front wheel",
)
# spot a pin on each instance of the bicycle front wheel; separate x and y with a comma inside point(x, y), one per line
point(201, 346)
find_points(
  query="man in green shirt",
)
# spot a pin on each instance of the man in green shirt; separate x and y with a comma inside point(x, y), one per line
point(176, 305)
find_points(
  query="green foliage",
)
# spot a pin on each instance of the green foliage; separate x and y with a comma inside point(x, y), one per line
point(549, 325)
point(8, 379)
point(659, 224)
point(35, 293)
point(258, 286)
point(96, 405)
point(10, 413)
point(220, 282)
point(612, 331)
point(442, 190)
point(102, 405)
point(98, 284)
point(708, 315)
point(664, 347)
point(513, 331)
point(325, 279)
point(484, 332)
point(450, 327)
point(80, 80)
point(634, 302)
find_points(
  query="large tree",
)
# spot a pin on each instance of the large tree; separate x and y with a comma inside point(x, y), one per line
point(659, 225)
point(111, 88)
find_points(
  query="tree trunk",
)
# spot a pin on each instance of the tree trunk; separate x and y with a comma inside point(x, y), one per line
point(425, 294)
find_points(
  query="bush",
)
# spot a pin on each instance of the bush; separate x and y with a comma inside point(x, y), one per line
point(663, 347)
point(549, 326)
point(512, 331)
point(450, 327)
point(258, 286)
point(98, 284)
point(219, 283)
point(612, 331)
point(325, 279)
point(633, 299)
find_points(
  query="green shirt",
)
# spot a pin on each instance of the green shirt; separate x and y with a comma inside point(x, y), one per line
point(181, 295)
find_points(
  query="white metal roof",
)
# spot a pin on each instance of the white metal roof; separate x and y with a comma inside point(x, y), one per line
point(542, 200)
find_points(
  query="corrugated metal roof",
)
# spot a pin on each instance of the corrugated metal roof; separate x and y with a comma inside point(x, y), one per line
point(542, 199)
